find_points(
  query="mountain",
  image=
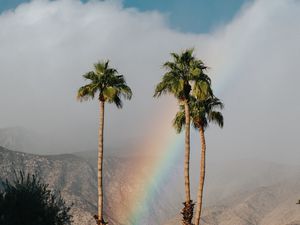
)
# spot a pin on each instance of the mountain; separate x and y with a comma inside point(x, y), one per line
point(75, 177)
point(268, 197)
point(243, 192)
point(274, 205)
point(68, 173)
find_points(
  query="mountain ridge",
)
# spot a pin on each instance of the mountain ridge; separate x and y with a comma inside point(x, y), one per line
point(261, 203)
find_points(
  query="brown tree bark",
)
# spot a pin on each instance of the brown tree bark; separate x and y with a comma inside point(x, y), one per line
point(187, 211)
point(100, 165)
point(187, 153)
point(202, 176)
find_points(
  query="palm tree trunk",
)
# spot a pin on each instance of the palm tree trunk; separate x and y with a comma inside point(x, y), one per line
point(100, 165)
point(202, 177)
point(187, 153)
point(187, 211)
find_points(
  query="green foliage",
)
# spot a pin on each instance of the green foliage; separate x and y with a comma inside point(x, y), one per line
point(202, 112)
point(28, 201)
point(105, 81)
point(185, 73)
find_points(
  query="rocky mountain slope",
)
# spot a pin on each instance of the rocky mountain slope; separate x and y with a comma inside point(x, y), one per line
point(261, 205)
point(67, 173)
point(244, 192)
point(75, 176)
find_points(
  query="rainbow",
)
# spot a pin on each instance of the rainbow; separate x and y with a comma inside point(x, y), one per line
point(168, 147)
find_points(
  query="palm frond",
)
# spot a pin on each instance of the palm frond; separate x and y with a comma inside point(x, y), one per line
point(201, 112)
point(117, 100)
point(125, 91)
point(161, 88)
point(182, 72)
point(217, 118)
point(202, 89)
point(86, 92)
point(107, 82)
point(90, 76)
point(175, 56)
point(179, 121)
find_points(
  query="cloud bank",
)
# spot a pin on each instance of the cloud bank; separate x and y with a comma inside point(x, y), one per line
point(47, 45)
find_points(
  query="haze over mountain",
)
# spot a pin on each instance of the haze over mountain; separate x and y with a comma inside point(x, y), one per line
point(244, 192)
point(29, 141)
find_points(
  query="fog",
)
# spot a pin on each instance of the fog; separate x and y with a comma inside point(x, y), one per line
point(46, 46)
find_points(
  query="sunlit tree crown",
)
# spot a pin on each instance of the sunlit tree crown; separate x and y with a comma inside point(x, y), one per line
point(185, 73)
point(202, 112)
point(105, 83)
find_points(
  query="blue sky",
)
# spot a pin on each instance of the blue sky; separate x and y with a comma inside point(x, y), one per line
point(197, 16)
point(192, 15)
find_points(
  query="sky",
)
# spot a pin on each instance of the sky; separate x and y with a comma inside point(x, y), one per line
point(187, 16)
point(251, 47)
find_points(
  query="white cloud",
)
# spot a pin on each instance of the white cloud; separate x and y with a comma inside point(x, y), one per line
point(261, 50)
point(47, 45)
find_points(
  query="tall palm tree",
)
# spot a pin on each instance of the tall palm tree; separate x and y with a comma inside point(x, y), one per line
point(184, 73)
point(202, 112)
point(109, 86)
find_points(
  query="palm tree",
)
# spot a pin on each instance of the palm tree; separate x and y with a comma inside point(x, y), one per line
point(184, 72)
point(202, 112)
point(110, 87)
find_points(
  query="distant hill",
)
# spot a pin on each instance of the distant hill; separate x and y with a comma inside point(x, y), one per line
point(76, 177)
point(255, 202)
point(68, 173)
point(244, 192)
point(27, 140)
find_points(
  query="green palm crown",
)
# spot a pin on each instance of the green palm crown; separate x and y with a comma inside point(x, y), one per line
point(184, 74)
point(106, 81)
point(202, 112)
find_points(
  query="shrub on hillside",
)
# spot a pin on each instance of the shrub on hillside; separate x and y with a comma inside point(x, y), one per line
point(28, 201)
